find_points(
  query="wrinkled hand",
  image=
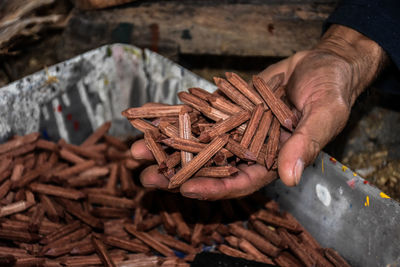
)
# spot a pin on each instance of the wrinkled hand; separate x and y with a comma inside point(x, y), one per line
point(322, 84)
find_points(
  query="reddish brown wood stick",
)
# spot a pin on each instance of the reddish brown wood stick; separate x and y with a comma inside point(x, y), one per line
point(158, 152)
point(224, 126)
point(125, 244)
point(272, 143)
point(18, 142)
point(236, 96)
point(97, 134)
point(197, 162)
point(222, 171)
point(259, 242)
point(202, 106)
point(185, 132)
point(102, 252)
point(245, 89)
point(278, 107)
point(261, 133)
point(252, 126)
point(224, 105)
point(57, 191)
point(155, 112)
point(149, 240)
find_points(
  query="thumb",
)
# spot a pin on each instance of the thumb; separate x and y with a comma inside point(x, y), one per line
point(322, 119)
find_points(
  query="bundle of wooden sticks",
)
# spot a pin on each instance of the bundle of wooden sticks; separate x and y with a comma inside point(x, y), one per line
point(69, 205)
point(222, 128)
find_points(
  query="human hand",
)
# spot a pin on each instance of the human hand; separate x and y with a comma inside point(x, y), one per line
point(323, 84)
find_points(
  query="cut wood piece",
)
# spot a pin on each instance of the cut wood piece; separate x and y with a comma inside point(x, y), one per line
point(5, 188)
point(173, 160)
point(143, 125)
point(335, 258)
point(224, 249)
point(74, 209)
point(245, 88)
point(19, 236)
point(267, 233)
point(74, 236)
point(155, 148)
point(296, 247)
point(202, 106)
point(111, 185)
point(272, 143)
point(246, 246)
point(95, 172)
point(126, 181)
point(83, 151)
point(155, 112)
point(18, 142)
point(71, 156)
point(240, 151)
point(63, 231)
point(32, 175)
point(258, 241)
point(125, 244)
point(185, 132)
point(97, 135)
point(92, 260)
point(78, 168)
point(278, 221)
point(224, 126)
point(168, 129)
point(172, 242)
point(49, 207)
point(102, 252)
point(184, 144)
point(236, 96)
point(252, 126)
point(47, 145)
point(111, 201)
point(200, 93)
point(285, 116)
point(197, 162)
point(261, 156)
point(5, 164)
point(287, 259)
point(232, 240)
point(149, 240)
point(223, 104)
point(261, 133)
point(15, 207)
point(57, 191)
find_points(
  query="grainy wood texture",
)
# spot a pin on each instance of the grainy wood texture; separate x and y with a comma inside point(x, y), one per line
point(242, 28)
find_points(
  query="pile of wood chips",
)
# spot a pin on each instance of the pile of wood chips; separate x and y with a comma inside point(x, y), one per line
point(223, 128)
point(69, 205)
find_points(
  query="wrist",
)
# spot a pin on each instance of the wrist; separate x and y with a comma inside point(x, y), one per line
point(362, 57)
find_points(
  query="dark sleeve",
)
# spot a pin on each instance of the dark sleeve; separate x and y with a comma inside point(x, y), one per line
point(379, 20)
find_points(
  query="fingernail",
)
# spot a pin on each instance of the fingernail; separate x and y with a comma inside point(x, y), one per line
point(193, 195)
point(298, 170)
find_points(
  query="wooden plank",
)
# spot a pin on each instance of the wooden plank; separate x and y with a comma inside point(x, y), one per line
point(255, 28)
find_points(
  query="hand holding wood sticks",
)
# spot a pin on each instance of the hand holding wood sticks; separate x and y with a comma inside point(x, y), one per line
point(213, 132)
